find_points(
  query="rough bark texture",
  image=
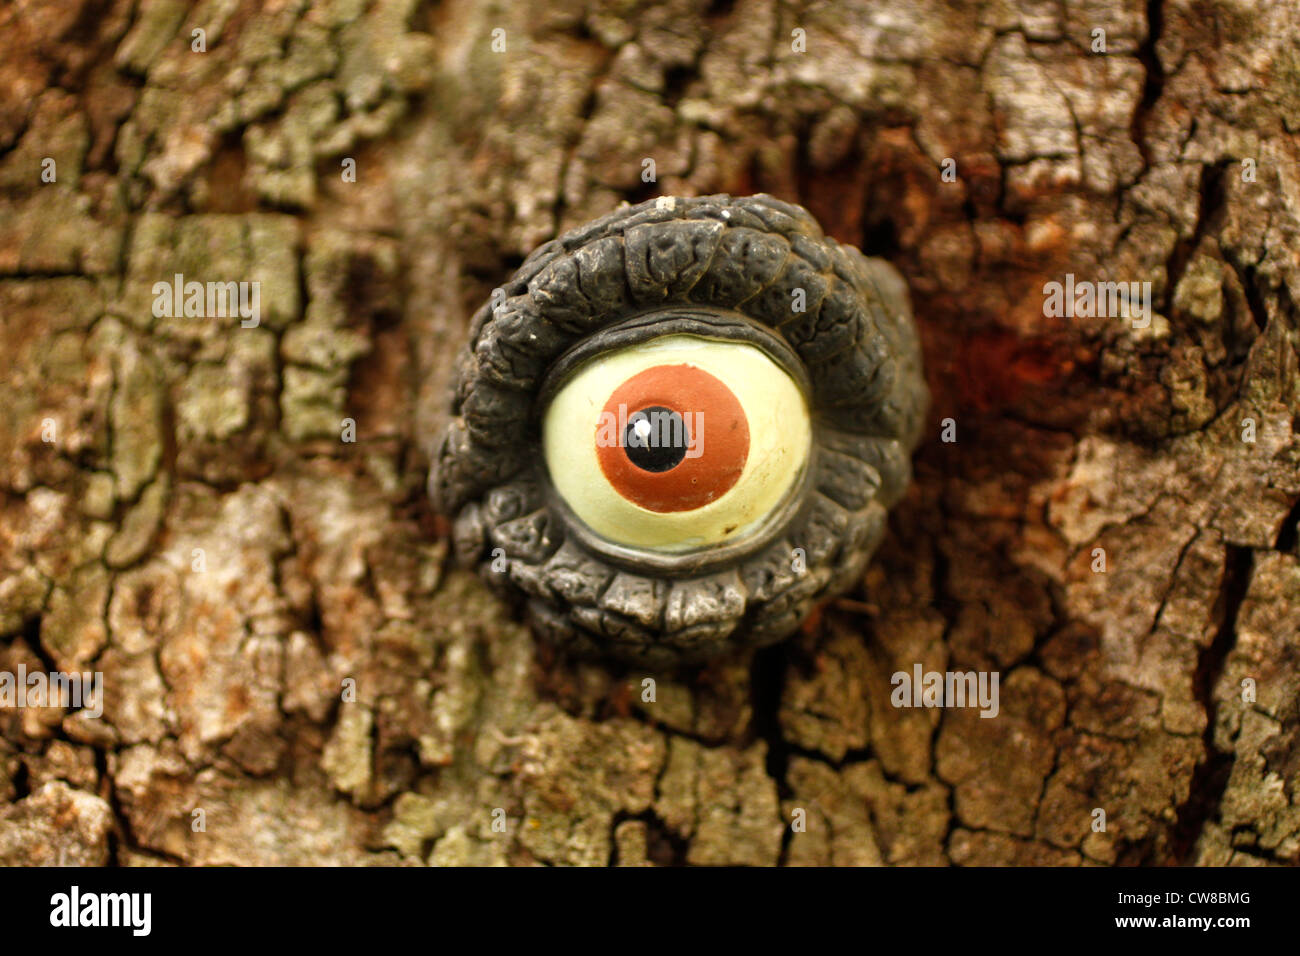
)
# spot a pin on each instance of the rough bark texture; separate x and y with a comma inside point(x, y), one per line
point(197, 531)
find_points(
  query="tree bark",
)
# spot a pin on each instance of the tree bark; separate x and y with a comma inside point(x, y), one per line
point(294, 673)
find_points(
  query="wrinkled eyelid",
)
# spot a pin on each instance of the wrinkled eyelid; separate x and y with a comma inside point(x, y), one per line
point(650, 269)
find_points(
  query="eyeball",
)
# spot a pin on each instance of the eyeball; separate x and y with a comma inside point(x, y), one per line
point(678, 427)
point(677, 444)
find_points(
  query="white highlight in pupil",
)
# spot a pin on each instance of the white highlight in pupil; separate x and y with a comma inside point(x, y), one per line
point(642, 428)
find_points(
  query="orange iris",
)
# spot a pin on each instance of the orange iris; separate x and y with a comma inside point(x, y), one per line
point(672, 438)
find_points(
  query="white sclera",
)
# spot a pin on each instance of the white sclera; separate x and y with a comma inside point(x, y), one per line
point(780, 434)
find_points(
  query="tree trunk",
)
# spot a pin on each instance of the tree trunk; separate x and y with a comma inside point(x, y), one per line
point(292, 670)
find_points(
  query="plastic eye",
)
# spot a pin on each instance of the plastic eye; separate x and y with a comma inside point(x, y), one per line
point(678, 443)
point(678, 427)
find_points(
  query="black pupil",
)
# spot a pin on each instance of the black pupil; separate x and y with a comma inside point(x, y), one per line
point(655, 439)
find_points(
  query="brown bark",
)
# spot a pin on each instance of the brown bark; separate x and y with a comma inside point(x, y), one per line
point(197, 531)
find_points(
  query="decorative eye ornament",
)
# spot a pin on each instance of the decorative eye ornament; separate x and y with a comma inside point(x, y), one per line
point(677, 428)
